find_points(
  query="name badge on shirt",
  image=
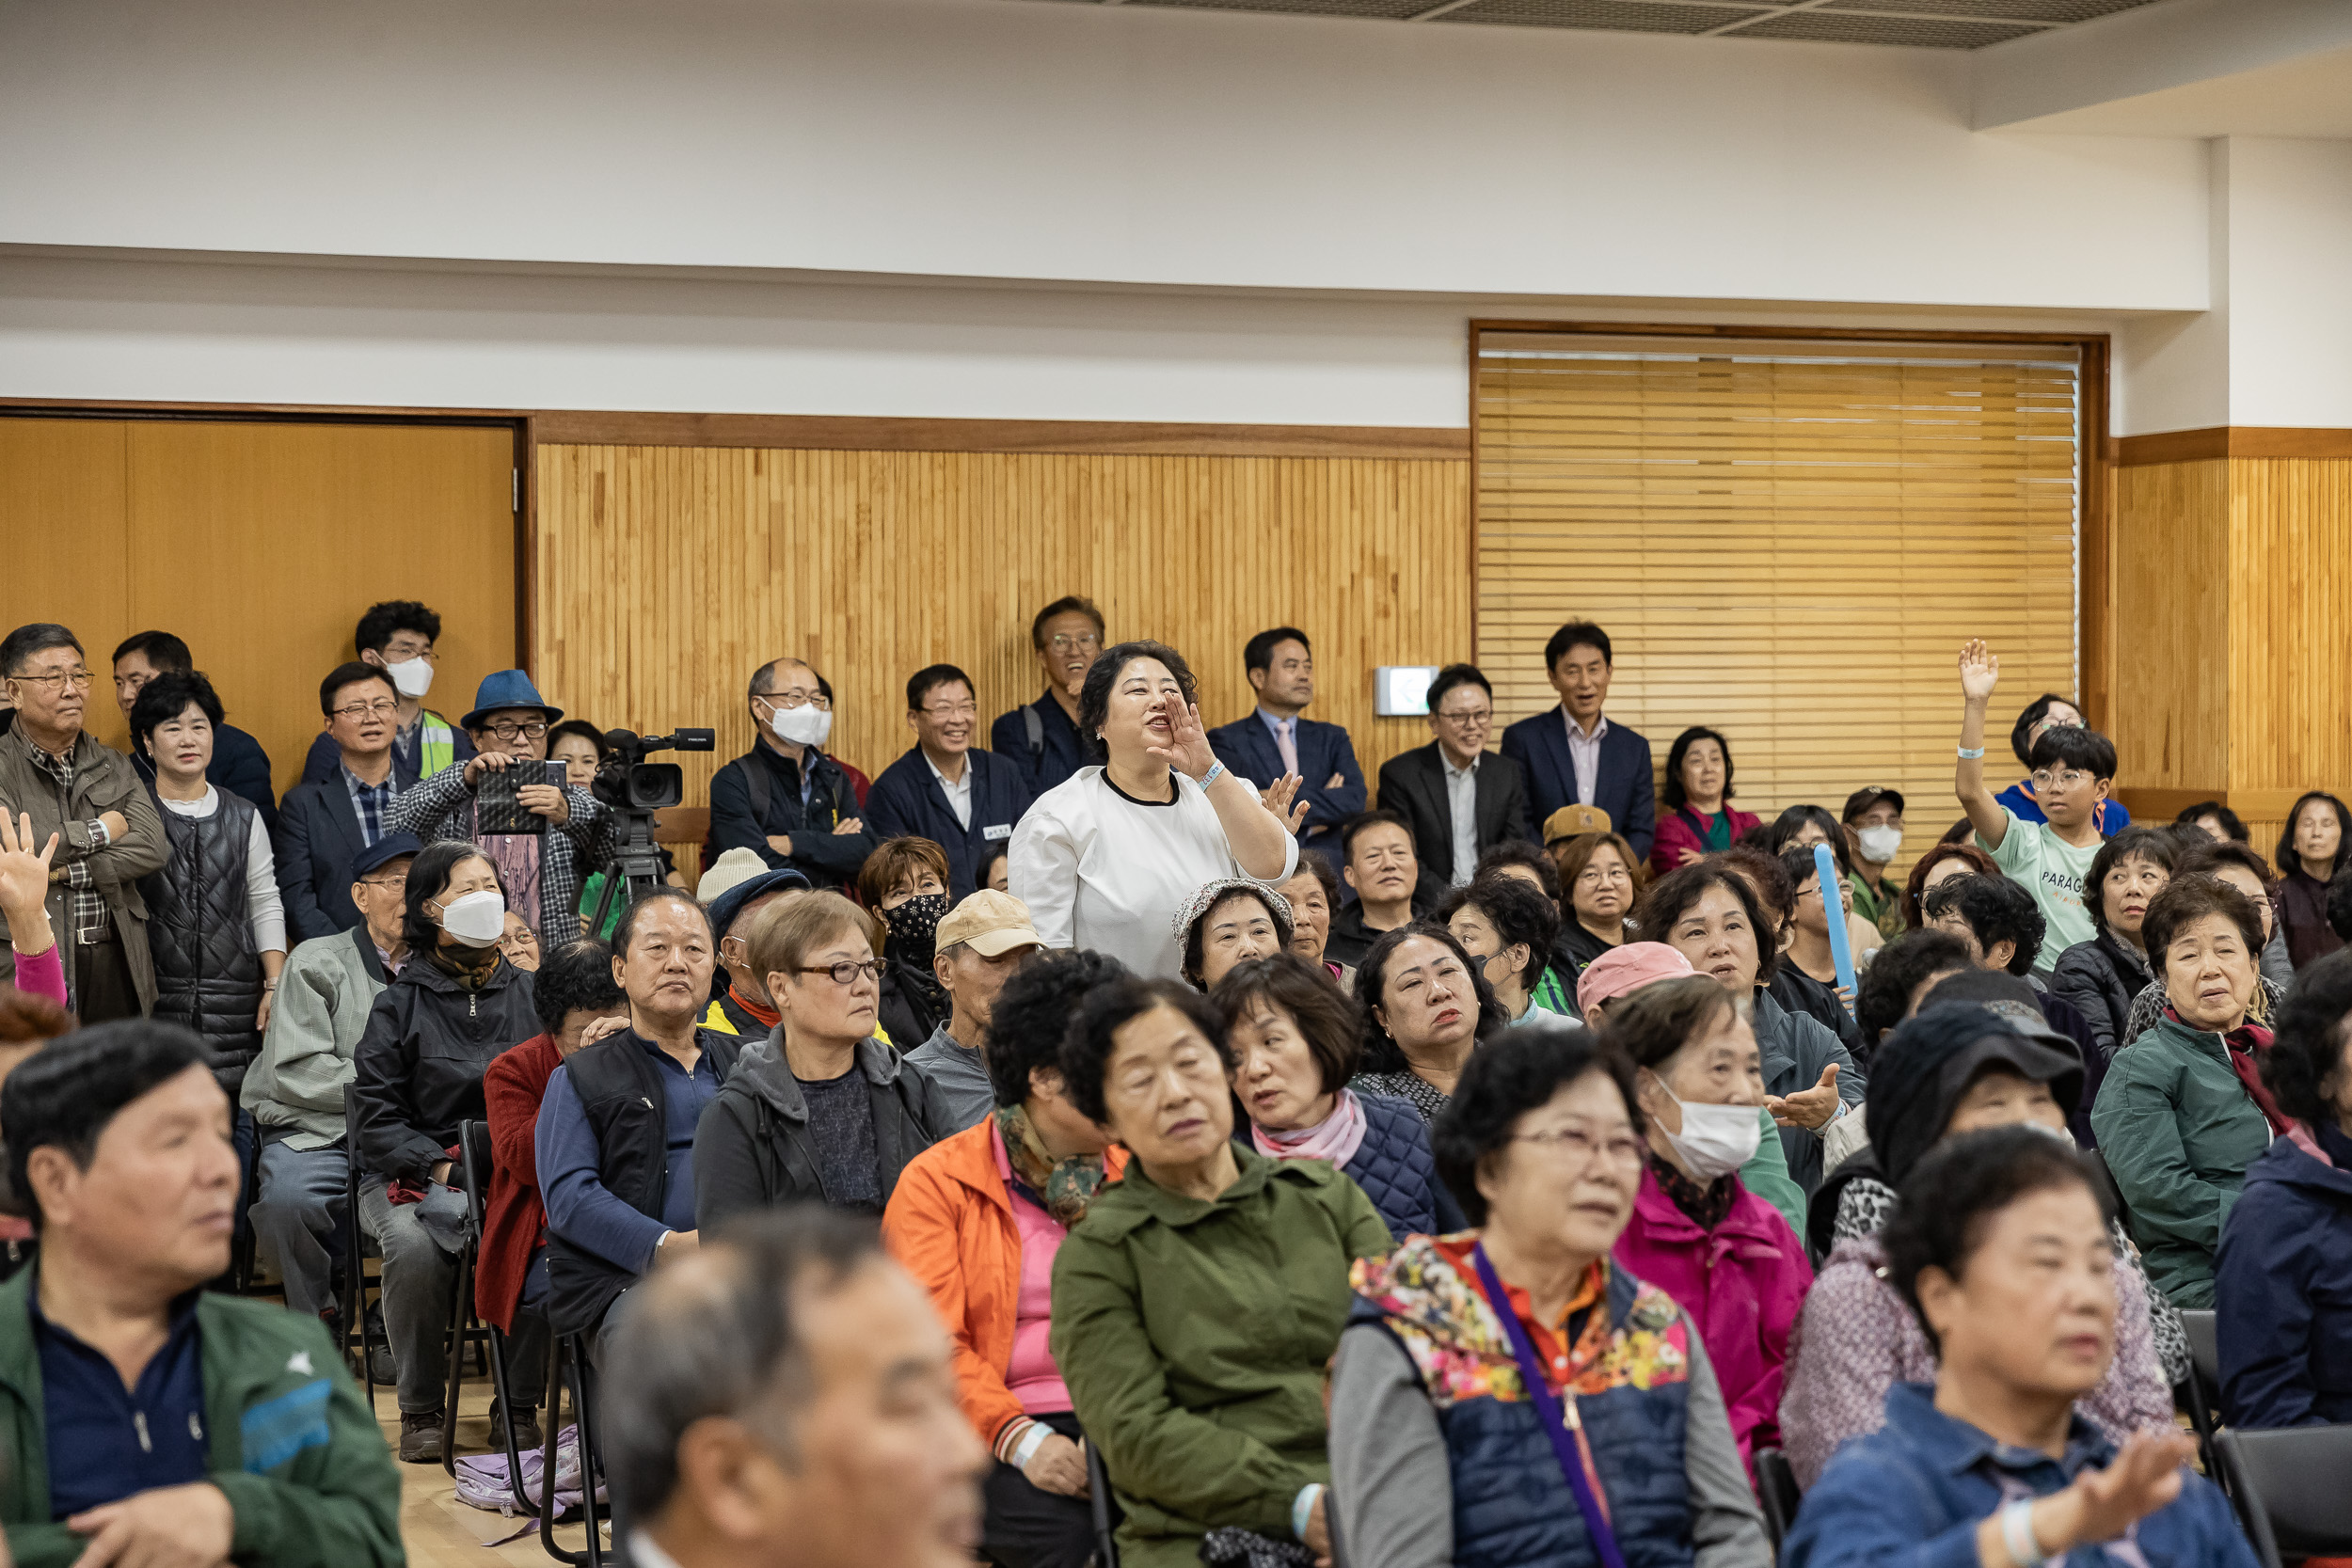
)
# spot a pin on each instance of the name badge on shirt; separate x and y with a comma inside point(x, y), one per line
point(996, 830)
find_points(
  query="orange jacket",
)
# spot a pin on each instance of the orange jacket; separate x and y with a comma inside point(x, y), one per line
point(950, 1224)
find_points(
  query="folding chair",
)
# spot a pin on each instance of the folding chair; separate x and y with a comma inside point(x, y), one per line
point(1777, 1490)
point(1098, 1499)
point(2288, 1488)
point(244, 1248)
point(355, 1302)
point(2199, 1395)
point(465, 1327)
point(568, 1361)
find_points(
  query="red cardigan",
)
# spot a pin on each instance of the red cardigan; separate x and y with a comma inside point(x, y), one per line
point(514, 1218)
point(1674, 835)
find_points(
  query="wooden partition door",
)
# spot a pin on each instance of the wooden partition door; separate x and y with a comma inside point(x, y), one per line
point(259, 545)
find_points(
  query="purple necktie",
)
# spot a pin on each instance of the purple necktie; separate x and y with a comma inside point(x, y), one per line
point(1289, 746)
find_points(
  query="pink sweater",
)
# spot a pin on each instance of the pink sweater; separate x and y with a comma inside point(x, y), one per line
point(43, 975)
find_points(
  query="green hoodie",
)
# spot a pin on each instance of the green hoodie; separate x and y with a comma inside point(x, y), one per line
point(294, 1447)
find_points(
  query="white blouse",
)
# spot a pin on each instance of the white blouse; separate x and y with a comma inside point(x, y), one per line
point(1102, 870)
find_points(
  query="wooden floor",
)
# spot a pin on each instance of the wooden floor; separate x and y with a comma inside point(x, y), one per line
point(442, 1532)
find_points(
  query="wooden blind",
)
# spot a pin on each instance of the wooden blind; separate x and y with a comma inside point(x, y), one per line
point(1787, 541)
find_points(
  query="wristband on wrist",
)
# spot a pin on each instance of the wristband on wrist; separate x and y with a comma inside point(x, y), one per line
point(1030, 1442)
point(1303, 1508)
point(1210, 777)
point(1968, 756)
point(2017, 1534)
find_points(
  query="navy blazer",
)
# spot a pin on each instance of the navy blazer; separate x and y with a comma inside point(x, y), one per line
point(317, 838)
point(1061, 750)
point(1624, 785)
point(906, 799)
point(1412, 785)
point(1246, 747)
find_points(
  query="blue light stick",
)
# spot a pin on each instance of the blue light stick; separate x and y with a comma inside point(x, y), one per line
point(1833, 913)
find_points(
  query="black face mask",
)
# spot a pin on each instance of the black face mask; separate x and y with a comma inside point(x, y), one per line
point(914, 929)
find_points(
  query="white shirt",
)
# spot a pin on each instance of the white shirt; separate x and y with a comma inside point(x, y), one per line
point(958, 791)
point(1584, 756)
point(646, 1554)
point(1101, 871)
point(1461, 797)
point(262, 906)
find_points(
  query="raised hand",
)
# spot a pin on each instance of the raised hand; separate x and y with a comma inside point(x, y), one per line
point(1980, 671)
point(1809, 1108)
point(1187, 750)
point(2103, 1504)
point(23, 874)
point(1278, 797)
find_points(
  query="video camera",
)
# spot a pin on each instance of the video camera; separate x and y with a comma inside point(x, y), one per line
point(627, 782)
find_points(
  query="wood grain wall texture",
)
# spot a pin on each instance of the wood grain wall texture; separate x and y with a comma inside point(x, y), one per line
point(2172, 587)
point(664, 575)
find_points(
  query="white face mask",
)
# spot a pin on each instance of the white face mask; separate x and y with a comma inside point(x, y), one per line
point(1880, 845)
point(411, 677)
point(476, 919)
point(1715, 1140)
point(805, 726)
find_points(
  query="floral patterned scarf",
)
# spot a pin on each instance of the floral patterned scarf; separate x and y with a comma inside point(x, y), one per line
point(1062, 1188)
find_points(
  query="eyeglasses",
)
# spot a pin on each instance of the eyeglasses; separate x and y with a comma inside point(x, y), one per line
point(1469, 718)
point(383, 707)
point(961, 710)
point(817, 700)
point(399, 653)
point(845, 972)
point(1062, 642)
point(78, 679)
point(1593, 876)
point(1580, 1148)
point(2071, 779)
point(398, 884)
point(517, 732)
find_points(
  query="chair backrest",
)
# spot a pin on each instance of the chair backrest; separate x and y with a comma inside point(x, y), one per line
point(1776, 1488)
point(2204, 1349)
point(2113, 1193)
point(473, 1141)
point(2290, 1482)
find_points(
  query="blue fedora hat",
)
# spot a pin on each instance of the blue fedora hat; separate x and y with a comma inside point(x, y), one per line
point(507, 688)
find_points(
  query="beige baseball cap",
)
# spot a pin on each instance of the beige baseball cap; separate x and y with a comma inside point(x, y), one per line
point(1573, 821)
point(991, 923)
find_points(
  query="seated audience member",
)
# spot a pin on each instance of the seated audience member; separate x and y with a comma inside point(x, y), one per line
point(2247, 871)
point(1205, 1421)
point(1792, 987)
point(1900, 977)
point(904, 884)
point(818, 1110)
point(2099, 979)
point(945, 788)
point(995, 873)
point(1379, 867)
point(1295, 1041)
point(2074, 774)
point(1939, 865)
point(520, 944)
point(1507, 927)
point(615, 1147)
point(1104, 859)
point(2218, 821)
point(785, 799)
point(396, 636)
point(455, 1006)
point(983, 942)
point(1873, 825)
point(1602, 880)
point(321, 827)
point(2003, 928)
point(1437, 1454)
point(2340, 906)
point(735, 902)
point(1713, 918)
point(1699, 821)
point(2000, 1249)
point(2044, 714)
point(2184, 1111)
point(157, 1421)
point(786, 1396)
point(1227, 923)
point(1723, 1253)
point(24, 909)
point(2282, 1307)
point(1459, 799)
point(1312, 893)
point(577, 1002)
point(294, 1089)
point(1517, 859)
point(978, 1219)
point(1572, 755)
point(237, 764)
point(1274, 742)
point(1808, 950)
point(1801, 828)
point(1041, 739)
point(1425, 1008)
point(2314, 845)
point(54, 775)
point(581, 747)
point(541, 870)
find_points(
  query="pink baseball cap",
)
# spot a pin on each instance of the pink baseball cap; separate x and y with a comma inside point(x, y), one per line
point(1628, 969)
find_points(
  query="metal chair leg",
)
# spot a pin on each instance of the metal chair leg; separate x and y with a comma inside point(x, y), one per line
point(580, 1414)
point(460, 1314)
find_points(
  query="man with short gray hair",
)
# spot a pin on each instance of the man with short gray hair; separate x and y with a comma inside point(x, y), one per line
point(784, 1398)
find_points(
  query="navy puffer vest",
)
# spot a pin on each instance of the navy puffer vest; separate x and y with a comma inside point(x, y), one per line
point(1395, 1167)
point(208, 973)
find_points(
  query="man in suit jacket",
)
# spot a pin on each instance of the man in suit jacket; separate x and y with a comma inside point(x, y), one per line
point(1460, 800)
point(1574, 757)
point(945, 789)
point(321, 827)
point(1275, 740)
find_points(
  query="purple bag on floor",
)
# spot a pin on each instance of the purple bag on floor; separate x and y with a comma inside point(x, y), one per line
point(482, 1480)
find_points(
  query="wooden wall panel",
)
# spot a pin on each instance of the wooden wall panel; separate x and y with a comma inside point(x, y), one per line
point(666, 575)
point(2172, 608)
point(64, 536)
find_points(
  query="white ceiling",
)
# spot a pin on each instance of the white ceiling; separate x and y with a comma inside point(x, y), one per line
point(2307, 97)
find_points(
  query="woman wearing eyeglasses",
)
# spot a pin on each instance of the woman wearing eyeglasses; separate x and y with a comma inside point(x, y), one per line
point(819, 1110)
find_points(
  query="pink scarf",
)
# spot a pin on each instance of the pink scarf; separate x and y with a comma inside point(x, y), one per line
point(1335, 1138)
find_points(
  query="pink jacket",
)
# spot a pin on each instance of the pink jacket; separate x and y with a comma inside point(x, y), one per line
point(1674, 835)
point(1742, 1283)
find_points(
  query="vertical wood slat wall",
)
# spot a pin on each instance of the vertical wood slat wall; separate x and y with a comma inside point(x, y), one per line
point(1786, 541)
point(664, 573)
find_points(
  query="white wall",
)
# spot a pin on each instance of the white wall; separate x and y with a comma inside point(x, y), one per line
point(2290, 291)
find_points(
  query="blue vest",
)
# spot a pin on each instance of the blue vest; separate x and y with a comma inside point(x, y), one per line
point(1395, 1167)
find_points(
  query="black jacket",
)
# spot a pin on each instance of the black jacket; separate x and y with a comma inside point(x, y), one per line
point(2098, 979)
point(1412, 785)
point(317, 839)
point(907, 802)
point(908, 1009)
point(419, 1066)
point(753, 1149)
point(208, 973)
point(758, 796)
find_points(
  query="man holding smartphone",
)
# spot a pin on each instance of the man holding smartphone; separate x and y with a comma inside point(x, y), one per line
point(543, 835)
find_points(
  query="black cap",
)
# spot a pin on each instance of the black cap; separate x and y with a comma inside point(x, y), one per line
point(382, 852)
point(1863, 798)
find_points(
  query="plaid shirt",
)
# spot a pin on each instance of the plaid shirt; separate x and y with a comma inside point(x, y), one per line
point(85, 906)
point(442, 807)
point(372, 802)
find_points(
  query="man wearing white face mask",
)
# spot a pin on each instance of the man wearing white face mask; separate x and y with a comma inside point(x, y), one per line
point(397, 637)
point(1874, 836)
point(785, 799)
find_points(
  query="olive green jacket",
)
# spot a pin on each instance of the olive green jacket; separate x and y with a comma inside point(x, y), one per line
point(104, 781)
point(1194, 1336)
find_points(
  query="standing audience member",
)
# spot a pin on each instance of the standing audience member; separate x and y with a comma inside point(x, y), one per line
point(1042, 740)
point(1602, 880)
point(979, 1219)
point(983, 942)
point(1295, 1041)
point(1104, 859)
point(238, 764)
point(1873, 824)
point(581, 747)
point(819, 1110)
point(322, 826)
point(1697, 795)
point(1941, 863)
point(2100, 977)
point(784, 1398)
point(54, 772)
point(945, 788)
point(904, 883)
point(1459, 799)
point(2000, 1249)
point(455, 1006)
point(1572, 755)
point(2281, 1277)
point(1732, 1262)
point(2184, 1111)
point(1438, 1455)
point(742, 1007)
point(1377, 852)
point(156, 1421)
point(2244, 869)
point(2044, 714)
point(1227, 923)
point(1276, 743)
point(1206, 1422)
point(1425, 1008)
point(1507, 927)
point(1312, 893)
point(785, 799)
point(2315, 844)
point(397, 637)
